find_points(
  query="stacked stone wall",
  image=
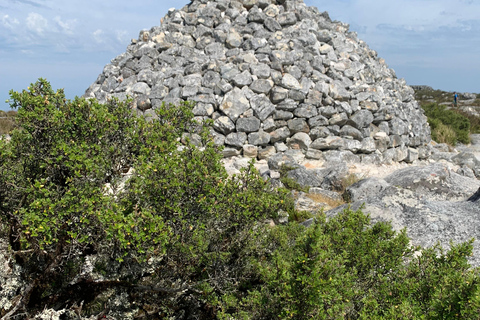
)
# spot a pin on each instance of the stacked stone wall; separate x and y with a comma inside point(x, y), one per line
point(273, 75)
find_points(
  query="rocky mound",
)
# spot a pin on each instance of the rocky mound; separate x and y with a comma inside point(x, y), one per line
point(272, 74)
point(434, 204)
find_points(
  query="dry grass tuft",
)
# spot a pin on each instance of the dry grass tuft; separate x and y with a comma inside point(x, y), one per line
point(330, 202)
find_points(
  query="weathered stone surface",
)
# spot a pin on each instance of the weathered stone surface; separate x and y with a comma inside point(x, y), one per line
point(299, 140)
point(250, 151)
point(250, 124)
point(262, 106)
point(361, 119)
point(276, 161)
point(236, 139)
point(224, 125)
point(234, 104)
point(430, 201)
point(328, 143)
point(259, 138)
point(298, 125)
point(351, 131)
point(262, 86)
point(281, 134)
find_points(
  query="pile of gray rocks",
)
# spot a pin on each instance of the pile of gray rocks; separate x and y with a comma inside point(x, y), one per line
point(273, 75)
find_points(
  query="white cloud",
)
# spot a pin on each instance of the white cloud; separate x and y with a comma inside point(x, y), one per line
point(37, 23)
point(98, 36)
point(8, 22)
point(65, 26)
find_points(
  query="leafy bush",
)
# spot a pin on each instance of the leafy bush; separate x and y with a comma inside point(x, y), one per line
point(439, 115)
point(474, 120)
point(65, 197)
point(346, 268)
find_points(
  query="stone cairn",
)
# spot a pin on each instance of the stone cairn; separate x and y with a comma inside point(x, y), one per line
point(274, 75)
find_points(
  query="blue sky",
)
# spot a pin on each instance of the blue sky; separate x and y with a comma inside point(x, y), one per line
point(431, 42)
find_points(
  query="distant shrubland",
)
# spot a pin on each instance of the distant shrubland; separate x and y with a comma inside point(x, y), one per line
point(449, 123)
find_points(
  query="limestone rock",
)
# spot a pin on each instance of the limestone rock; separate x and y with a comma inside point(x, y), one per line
point(433, 202)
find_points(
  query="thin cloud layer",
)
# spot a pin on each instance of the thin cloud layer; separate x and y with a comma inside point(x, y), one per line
point(417, 38)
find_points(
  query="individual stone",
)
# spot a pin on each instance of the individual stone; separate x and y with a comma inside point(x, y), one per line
point(203, 109)
point(236, 139)
point(260, 70)
point(338, 119)
point(351, 145)
point(224, 125)
point(268, 125)
point(314, 154)
point(250, 124)
point(290, 82)
point(141, 88)
point(266, 153)
point(305, 111)
point(261, 86)
point(143, 102)
point(282, 115)
point(259, 138)
point(361, 119)
point(319, 132)
point(262, 106)
point(234, 104)
point(318, 121)
point(368, 145)
point(299, 140)
point(234, 39)
point(351, 131)
point(280, 134)
point(242, 79)
point(412, 155)
point(250, 151)
point(281, 147)
point(230, 152)
point(328, 143)
point(287, 19)
point(298, 125)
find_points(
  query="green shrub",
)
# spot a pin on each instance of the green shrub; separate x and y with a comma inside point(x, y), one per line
point(346, 268)
point(64, 197)
point(474, 120)
point(444, 134)
point(438, 114)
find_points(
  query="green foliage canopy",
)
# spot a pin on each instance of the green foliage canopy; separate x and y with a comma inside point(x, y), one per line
point(65, 196)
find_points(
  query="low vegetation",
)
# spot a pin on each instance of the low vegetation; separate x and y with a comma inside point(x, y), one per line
point(177, 238)
point(450, 124)
point(447, 125)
